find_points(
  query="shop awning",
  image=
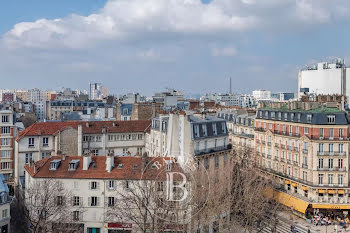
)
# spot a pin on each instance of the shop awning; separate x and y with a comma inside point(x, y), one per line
point(304, 188)
point(294, 184)
point(321, 191)
point(287, 200)
point(341, 191)
point(331, 191)
point(326, 206)
point(287, 181)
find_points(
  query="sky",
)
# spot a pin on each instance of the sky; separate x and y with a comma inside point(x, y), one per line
point(148, 45)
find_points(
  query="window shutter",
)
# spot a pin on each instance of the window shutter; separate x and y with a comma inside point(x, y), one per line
point(97, 201)
point(89, 201)
point(89, 185)
point(97, 185)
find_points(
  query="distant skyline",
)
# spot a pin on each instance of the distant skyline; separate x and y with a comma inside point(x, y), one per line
point(147, 45)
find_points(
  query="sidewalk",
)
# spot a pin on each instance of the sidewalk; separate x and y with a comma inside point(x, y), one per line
point(302, 223)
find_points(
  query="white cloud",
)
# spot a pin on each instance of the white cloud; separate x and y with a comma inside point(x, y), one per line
point(125, 19)
point(227, 52)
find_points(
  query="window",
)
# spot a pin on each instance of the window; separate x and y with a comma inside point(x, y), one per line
point(215, 132)
point(76, 201)
point(308, 118)
point(340, 163)
point(5, 141)
point(321, 132)
point(304, 175)
point(76, 215)
point(98, 138)
point(223, 126)
point(320, 178)
point(330, 163)
point(111, 184)
point(306, 145)
point(341, 133)
point(196, 131)
point(330, 178)
point(127, 185)
point(285, 116)
point(204, 129)
point(45, 141)
point(341, 148)
point(331, 119)
point(5, 165)
point(29, 157)
point(306, 130)
point(59, 200)
point(93, 185)
point(5, 130)
point(320, 147)
point(93, 201)
point(331, 148)
point(45, 155)
point(5, 154)
point(299, 116)
point(278, 127)
point(95, 152)
point(125, 150)
point(340, 179)
point(270, 126)
point(290, 129)
point(279, 116)
point(4, 213)
point(320, 163)
point(284, 128)
point(30, 142)
point(139, 150)
point(5, 119)
point(110, 201)
point(292, 116)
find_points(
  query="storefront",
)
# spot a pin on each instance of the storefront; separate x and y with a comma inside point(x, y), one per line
point(118, 227)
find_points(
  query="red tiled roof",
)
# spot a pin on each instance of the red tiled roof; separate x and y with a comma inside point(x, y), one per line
point(127, 172)
point(93, 127)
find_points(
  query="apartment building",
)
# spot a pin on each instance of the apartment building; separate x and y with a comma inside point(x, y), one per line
point(182, 134)
point(45, 139)
point(305, 146)
point(5, 201)
point(97, 184)
point(7, 135)
point(133, 111)
point(240, 124)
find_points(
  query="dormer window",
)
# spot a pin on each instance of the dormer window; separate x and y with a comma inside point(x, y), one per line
point(331, 119)
point(309, 118)
point(285, 116)
point(292, 116)
point(54, 164)
point(73, 165)
point(266, 114)
point(135, 166)
point(120, 166)
point(273, 115)
point(279, 116)
point(196, 131)
point(215, 132)
point(168, 166)
point(204, 129)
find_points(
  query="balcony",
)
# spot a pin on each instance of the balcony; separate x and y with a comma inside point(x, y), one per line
point(289, 161)
point(289, 147)
point(305, 151)
point(296, 149)
point(263, 155)
point(277, 145)
point(340, 169)
point(296, 163)
point(269, 156)
point(263, 142)
point(283, 146)
point(257, 141)
point(304, 166)
point(276, 158)
point(260, 129)
point(213, 150)
point(282, 160)
point(331, 153)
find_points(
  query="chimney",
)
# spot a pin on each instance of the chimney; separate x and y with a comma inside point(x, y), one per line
point(63, 157)
point(35, 168)
point(87, 124)
point(109, 162)
point(114, 124)
point(86, 161)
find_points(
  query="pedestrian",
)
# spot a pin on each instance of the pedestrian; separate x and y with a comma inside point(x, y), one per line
point(291, 228)
point(308, 230)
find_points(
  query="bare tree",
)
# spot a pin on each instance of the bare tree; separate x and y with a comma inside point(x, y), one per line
point(44, 207)
point(144, 202)
point(236, 199)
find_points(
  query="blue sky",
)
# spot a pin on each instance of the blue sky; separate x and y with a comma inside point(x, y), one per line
point(147, 45)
